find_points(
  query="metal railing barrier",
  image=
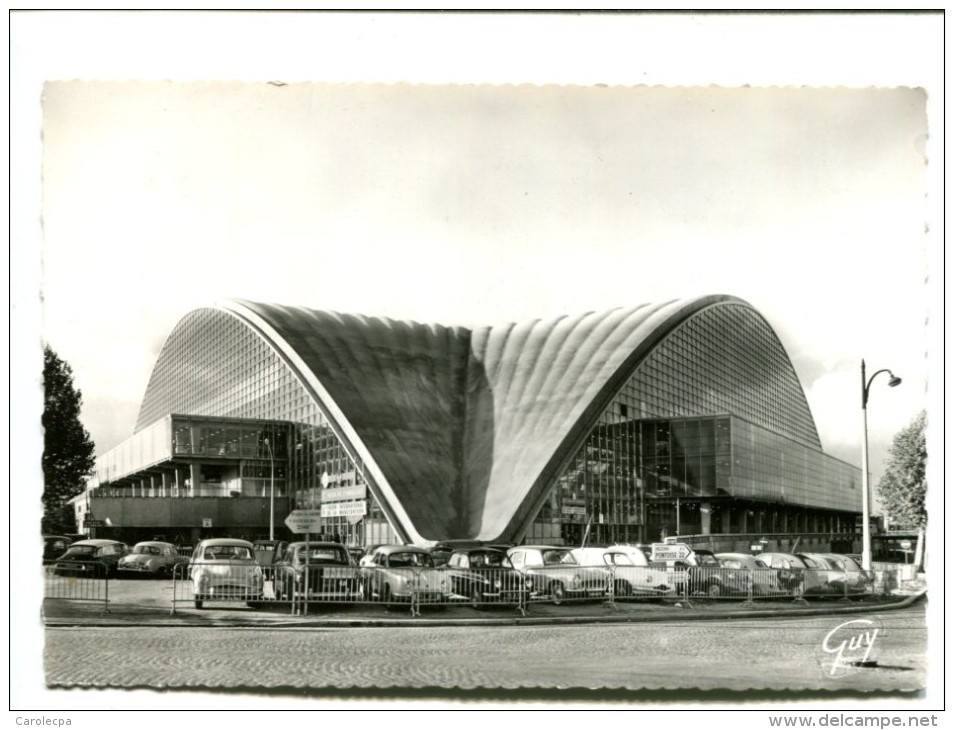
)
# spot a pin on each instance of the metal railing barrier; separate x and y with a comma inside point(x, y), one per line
point(77, 580)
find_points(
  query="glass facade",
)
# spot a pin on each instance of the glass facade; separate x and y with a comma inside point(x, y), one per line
point(214, 365)
point(661, 440)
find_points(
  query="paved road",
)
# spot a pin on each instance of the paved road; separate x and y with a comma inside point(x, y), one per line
point(772, 653)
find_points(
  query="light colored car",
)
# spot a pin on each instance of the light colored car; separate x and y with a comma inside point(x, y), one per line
point(556, 573)
point(842, 574)
point(633, 574)
point(765, 581)
point(152, 558)
point(224, 569)
point(399, 573)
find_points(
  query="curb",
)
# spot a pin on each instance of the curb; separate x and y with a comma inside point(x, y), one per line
point(685, 614)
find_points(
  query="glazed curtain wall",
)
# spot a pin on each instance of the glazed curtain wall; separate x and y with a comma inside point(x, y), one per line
point(214, 365)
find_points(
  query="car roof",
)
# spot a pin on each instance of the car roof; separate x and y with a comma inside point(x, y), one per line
point(156, 543)
point(478, 549)
point(388, 549)
point(735, 555)
point(225, 541)
point(320, 544)
point(540, 547)
point(97, 542)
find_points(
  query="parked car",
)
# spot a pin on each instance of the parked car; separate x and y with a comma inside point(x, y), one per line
point(707, 576)
point(486, 575)
point(554, 572)
point(765, 581)
point(794, 576)
point(402, 573)
point(440, 554)
point(331, 573)
point(368, 556)
point(96, 558)
point(224, 568)
point(841, 573)
point(54, 546)
point(152, 558)
point(268, 551)
point(633, 574)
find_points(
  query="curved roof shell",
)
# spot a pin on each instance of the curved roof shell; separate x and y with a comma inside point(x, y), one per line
point(462, 432)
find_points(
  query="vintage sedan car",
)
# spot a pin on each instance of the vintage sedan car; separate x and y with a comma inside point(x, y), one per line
point(54, 546)
point(268, 551)
point(224, 569)
point(634, 575)
point(795, 577)
point(486, 576)
point(707, 576)
point(554, 572)
point(96, 558)
point(842, 575)
point(316, 571)
point(765, 581)
point(152, 558)
point(399, 573)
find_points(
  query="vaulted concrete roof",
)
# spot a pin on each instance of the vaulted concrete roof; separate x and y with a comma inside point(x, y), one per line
point(462, 432)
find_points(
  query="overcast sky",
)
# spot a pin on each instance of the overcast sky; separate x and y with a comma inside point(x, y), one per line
point(480, 204)
point(471, 205)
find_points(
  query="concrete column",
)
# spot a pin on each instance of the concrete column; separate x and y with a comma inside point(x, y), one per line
point(164, 491)
point(195, 474)
point(152, 485)
point(705, 517)
point(744, 520)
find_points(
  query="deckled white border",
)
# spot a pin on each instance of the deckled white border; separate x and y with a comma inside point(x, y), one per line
point(814, 50)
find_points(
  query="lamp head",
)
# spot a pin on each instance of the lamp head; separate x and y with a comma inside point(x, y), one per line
point(895, 380)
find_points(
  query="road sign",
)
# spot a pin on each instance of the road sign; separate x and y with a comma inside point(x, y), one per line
point(301, 521)
point(670, 551)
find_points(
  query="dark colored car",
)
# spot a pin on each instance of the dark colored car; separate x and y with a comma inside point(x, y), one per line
point(554, 572)
point(268, 551)
point(96, 558)
point(485, 575)
point(707, 576)
point(54, 546)
point(326, 567)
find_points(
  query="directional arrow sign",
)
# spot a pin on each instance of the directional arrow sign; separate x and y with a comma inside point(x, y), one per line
point(301, 521)
point(670, 551)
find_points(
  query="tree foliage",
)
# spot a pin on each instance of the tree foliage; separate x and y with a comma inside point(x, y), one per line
point(904, 484)
point(68, 451)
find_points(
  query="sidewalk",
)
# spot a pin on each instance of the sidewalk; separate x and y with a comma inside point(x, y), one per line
point(60, 612)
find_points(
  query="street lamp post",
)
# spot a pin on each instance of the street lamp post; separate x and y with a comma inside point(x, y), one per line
point(865, 528)
point(271, 492)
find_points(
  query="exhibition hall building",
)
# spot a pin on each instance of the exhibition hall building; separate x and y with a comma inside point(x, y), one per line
point(681, 419)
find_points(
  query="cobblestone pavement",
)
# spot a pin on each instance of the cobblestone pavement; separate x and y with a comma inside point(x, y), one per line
point(770, 653)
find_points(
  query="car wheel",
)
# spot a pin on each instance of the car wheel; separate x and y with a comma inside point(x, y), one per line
point(476, 599)
point(714, 590)
point(557, 592)
point(386, 598)
point(623, 589)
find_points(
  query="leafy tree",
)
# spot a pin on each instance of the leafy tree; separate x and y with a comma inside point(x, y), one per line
point(903, 486)
point(67, 448)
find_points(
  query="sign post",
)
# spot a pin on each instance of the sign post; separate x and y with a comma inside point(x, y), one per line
point(304, 521)
point(663, 551)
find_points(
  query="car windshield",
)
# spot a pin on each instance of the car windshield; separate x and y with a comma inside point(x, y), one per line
point(558, 557)
point(321, 555)
point(227, 552)
point(146, 550)
point(706, 559)
point(488, 560)
point(416, 560)
point(82, 550)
